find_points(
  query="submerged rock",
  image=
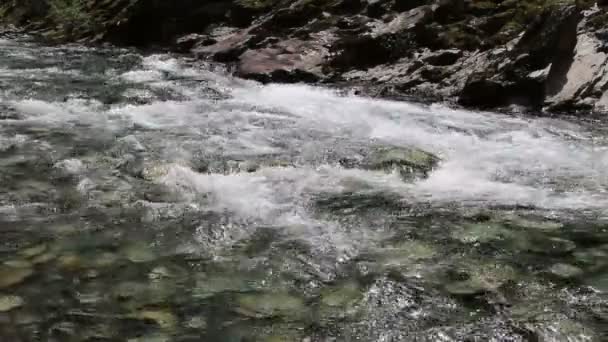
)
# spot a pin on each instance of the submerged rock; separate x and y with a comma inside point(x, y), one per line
point(267, 305)
point(196, 322)
point(165, 319)
point(11, 276)
point(550, 246)
point(8, 303)
point(565, 271)
point(18, 263)
point(158, 337)
point(482, 232)
point(34, 250)
point(208, 286)
point(481, 278)
point(406, 253)
point(340, 301)
point(139, 253)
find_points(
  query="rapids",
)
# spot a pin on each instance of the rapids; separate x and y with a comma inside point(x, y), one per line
point(153, 197)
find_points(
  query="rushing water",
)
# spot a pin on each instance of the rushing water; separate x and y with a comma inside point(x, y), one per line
point(153, 198)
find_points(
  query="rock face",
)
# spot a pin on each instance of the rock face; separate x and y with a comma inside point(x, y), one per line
point(539, 54)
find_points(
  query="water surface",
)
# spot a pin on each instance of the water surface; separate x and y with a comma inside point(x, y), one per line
point(156, 198)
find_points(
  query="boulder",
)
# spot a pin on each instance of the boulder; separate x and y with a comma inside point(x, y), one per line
point(409, 162)
point(579, 79)
point(290, 60)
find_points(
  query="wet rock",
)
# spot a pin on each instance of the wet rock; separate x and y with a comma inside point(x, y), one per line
point(153, 172)
point(267, 305)
point(565, 271)
point(135, 295)
point(196, 322)
point(107, 259)
point(535, 224)
point(152, 338)
point(11, 276)
point(168, 271)
point(166, 320)
point(139, 253)
point(468, 288)
point(406, 253)
point(43, 258)
point(409, 162)
point(90, 297)
point(481, 278)
point(34, 251)
point(340, 301)
point(558, 327)
point(550, 246)
point(18, 263)
point(63, 330)
point(70, 262)
point(208, 286)
point(8, 303)
point(482, 232)
point(592, 257)
point(599, 282)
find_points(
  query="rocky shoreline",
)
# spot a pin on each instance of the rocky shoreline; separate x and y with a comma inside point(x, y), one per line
point(537, 55)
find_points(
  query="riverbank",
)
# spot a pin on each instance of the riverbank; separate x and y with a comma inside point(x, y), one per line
point(537, 56)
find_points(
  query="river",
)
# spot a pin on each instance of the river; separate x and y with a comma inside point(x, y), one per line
point(153, 197)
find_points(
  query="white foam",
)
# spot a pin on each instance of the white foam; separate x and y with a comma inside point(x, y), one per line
point(70, 166)
point(488, 158)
